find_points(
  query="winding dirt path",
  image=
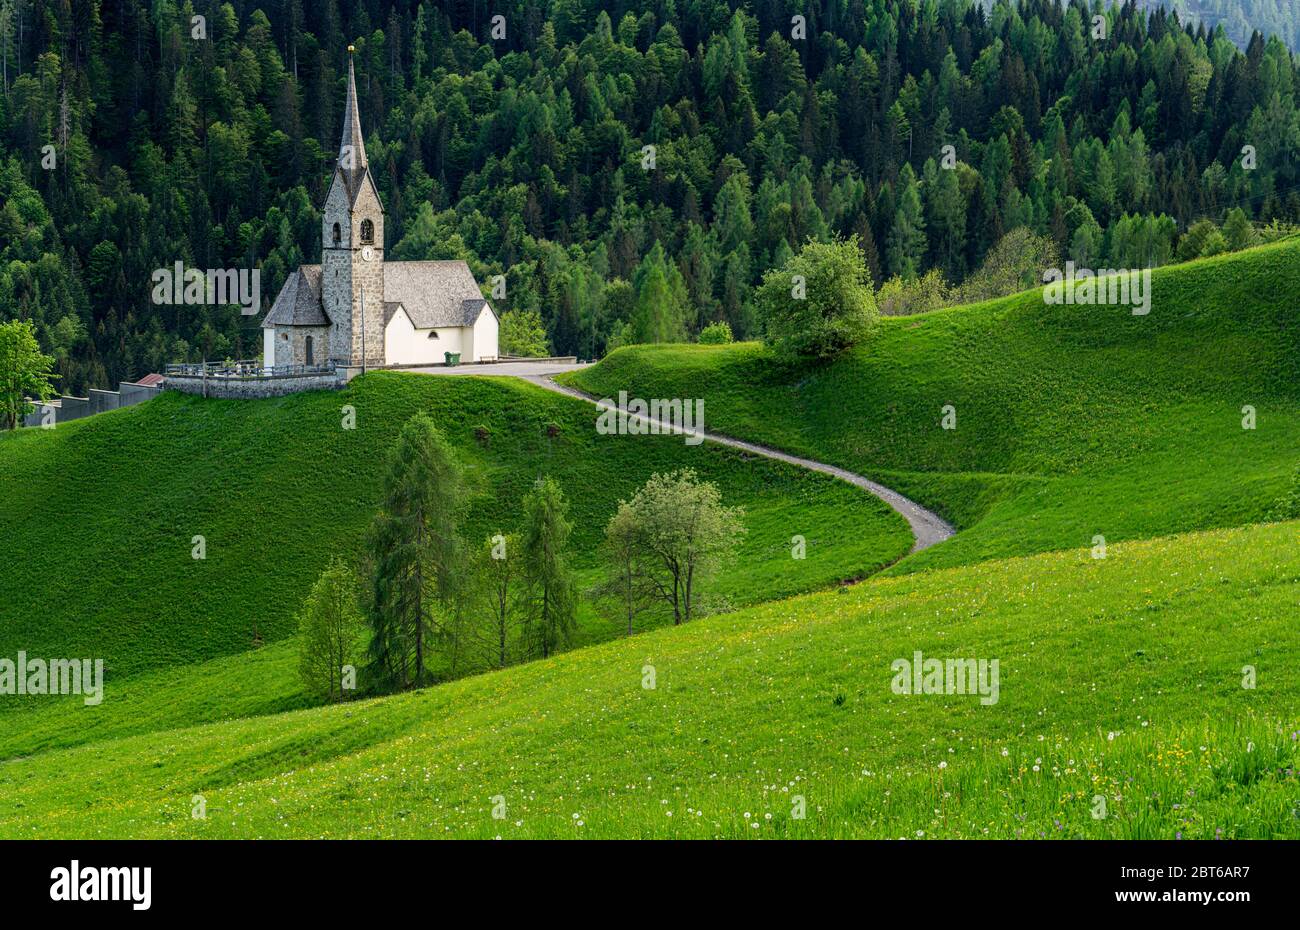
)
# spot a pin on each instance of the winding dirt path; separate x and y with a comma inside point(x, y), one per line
point(928, 528)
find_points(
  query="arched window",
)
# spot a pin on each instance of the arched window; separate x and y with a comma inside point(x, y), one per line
point(338, 234)
point(309, 360)
point(367, 231)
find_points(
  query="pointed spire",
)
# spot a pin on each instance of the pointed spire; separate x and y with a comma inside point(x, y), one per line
point(352, 148)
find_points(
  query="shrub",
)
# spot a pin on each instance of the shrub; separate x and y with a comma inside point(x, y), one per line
point(899, 297)
point(716, 334)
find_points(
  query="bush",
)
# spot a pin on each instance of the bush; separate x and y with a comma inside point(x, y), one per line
point(820, 303)
point(899, 297)
point(1016, 263)
point(716, 334)
point(1201, 240)
point(1287, 507)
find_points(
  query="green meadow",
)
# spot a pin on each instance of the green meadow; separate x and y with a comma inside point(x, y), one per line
point(1071, 421)
point(97, 532)
point(1120, 678)
point(1146, 690)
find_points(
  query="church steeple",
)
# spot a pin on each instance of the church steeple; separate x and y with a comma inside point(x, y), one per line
point(352, 147)
point(352, 248)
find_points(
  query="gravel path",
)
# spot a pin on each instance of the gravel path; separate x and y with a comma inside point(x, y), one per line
point(928, 528)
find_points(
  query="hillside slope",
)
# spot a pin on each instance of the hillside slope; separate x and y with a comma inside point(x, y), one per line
point(1071, 421)
point(98, 517)
point(1120, 677)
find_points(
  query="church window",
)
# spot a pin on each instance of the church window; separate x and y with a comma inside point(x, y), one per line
point(367, 231)
point(338, 234)
point(308, 345)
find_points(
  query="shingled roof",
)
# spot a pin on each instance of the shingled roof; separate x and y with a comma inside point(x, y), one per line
point(299, 303)
point(433, 294)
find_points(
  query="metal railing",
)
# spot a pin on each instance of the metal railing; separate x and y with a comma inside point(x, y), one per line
point(247, 369)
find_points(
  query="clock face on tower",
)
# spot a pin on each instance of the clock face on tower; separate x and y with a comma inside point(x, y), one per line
point(367, 254)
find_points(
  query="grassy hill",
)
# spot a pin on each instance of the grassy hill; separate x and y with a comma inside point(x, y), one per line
point(98, 517)
point(1120, 677)
point(1072, 421)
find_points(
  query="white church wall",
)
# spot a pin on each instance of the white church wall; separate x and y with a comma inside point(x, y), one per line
point(483, 337)
point(268, 347)
point(406, 345)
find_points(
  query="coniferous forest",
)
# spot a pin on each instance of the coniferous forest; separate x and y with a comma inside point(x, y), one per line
point(631, 168)
point(1240, 18)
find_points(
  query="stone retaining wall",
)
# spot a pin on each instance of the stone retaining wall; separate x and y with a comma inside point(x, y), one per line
point(252, 388)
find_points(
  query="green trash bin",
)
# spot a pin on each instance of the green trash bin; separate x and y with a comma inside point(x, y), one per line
point(452, 358)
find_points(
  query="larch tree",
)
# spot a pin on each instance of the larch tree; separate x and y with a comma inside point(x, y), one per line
point(330, 628)
point(552, 592)
point(417, 556)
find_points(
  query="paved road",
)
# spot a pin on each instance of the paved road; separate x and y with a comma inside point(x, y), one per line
point(928, 528)
point(525, 370)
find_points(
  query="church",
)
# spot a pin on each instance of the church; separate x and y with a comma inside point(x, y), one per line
point(356, 310)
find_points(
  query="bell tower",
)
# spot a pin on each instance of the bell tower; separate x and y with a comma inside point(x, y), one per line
point(352, 248)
